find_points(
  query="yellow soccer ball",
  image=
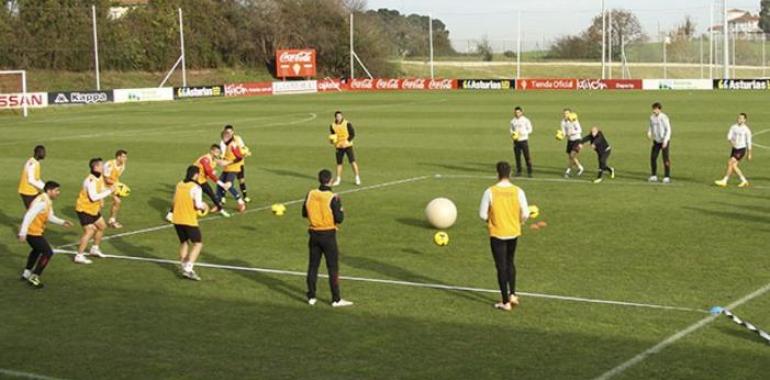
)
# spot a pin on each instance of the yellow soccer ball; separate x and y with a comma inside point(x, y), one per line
point(122, 190)
point(278, 209)
point(202, 213)
point(333, 138)
point(441, 238)
point(560, 135)
point(246, 151)
point(572, 116)
point(515, 135)
point(534, 211)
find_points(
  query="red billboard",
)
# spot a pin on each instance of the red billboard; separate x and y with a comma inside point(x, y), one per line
point(609, 84)
point(249, 89)
point(381, 84)
point(546, 84)
point(293, 63)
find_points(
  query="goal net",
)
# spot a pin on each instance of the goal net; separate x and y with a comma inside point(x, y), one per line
point(13, 92)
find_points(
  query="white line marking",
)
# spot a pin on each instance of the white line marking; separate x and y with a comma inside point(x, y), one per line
point(678, 335)
point(560, 180)
point(262, 208)
point(403, 283)
point(26, 375)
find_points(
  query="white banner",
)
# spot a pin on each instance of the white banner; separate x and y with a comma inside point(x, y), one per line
point(677, 84)
point(18, 100)
point(151, 94)
point(295, 87)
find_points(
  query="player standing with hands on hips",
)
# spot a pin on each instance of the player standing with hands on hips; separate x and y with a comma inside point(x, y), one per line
point(660, 134)
point(521, 128)
point(740, 138)
point(504, 208)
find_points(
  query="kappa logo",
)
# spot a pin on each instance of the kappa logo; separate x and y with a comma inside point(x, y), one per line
point(61, 98)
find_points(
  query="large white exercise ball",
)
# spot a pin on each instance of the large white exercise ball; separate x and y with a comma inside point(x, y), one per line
point(441, 213)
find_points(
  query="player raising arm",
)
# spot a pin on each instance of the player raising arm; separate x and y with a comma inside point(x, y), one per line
point(570, 127)
point(739, 136)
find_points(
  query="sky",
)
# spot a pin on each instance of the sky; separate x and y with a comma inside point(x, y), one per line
point(545, 20)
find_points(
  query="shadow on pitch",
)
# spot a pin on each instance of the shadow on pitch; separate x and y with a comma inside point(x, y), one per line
point(161, 205)
point(739, 216)
point(402, 274)
point(415, 222)
point(289, 173)
point(124, 247)
point(742, 333)
point(274, 284)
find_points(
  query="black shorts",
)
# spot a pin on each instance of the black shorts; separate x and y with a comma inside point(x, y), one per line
point(188, 233)
point(88, 219)
point(242, 174)
point(27, 199)
point(738, 154)
point(341, 152)
point(574, 146)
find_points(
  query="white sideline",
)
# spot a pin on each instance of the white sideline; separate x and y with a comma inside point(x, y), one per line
point(399, 282)
point(262, 208)
point(25, 375)
point(587, 180)
point(678, 335)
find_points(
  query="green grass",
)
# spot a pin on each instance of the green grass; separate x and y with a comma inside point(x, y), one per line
point(688, 244)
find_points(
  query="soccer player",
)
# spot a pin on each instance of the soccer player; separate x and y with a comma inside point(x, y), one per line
point(234, 155)
point(206, 165)
point(187, 201)
point(521, 128)
point(88, 207)
point(504, 208)
point(32, 229)
point(244, 150)
point(113, 169)
point(30, 184)
point(570, 126)
point(323, 210)
point(603, 150)
point(344, 135)
point(660, 134)
point(740, 139)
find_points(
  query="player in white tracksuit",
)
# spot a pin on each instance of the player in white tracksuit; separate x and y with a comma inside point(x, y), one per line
point(660, 134)
point(570, 127)
point(739, 136)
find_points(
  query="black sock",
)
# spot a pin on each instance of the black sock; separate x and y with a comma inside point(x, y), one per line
point(32, 259)
point(243, 189)
point(41, 264)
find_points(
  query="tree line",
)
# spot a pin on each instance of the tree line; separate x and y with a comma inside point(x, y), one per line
point(57, 34)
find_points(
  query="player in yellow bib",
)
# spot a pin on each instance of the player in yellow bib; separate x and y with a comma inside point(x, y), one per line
point(36, 219)
point(234, 152)
point(113, 169)
point(343, 135)
point(504, 208)
point(30, 184)
point(188, 199)
point(89, 209)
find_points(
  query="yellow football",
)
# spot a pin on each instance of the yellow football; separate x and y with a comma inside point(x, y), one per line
point(441, 238)
point(278, 209)
point(204, 212)
point(515, 136)
point(122, 190)
point(333, 138)
point(559, 135)
point(572, 116)
point(534, 211)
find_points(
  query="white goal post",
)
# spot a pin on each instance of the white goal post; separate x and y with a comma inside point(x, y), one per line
point(23, 73)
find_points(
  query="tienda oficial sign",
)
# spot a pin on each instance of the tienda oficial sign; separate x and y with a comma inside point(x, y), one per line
point(293, 63)
point(546, 84)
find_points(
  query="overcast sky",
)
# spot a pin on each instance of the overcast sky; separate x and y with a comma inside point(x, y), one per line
point(541, 19)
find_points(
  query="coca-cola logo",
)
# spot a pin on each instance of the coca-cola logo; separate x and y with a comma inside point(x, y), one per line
point(442, 84)
point(592, 84)
point(387, 84)
point(362, 84)
point(413, 84)
point(301, 56)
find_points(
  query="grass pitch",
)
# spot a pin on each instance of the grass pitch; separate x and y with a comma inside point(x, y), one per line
point(688, 245)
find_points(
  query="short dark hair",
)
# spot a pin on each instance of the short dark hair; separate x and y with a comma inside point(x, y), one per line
point(120, 152)
point(228, 126)
point(503, 169)
point(744, 115)
point(38, 149)
point(518, 109)
point(657, 106)
point(50, 185)
point(324, 176)
point(192, 170)
point(337, 113)
point(92, 162)
point(215, 146)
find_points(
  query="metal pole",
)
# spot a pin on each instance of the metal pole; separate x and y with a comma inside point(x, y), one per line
point(604, 41)
point(518, 47)
point(725, 42)
point(764, 60)
point(665, 59)
point(711, 41)
point(701, 57)
point(25, 106)
point(609, 44)
point(623, 56)
point(352, 52)
point(735, 39)
point(181, 44)
point(430, 38)
point(96, 49)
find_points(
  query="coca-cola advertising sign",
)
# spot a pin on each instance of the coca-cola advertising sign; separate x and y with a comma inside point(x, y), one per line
point(386, 84)
point(249, 89)
point(546, 84)
point(293, 63)
point(609, 84)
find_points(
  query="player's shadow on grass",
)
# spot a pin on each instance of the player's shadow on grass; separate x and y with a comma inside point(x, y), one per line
point(124, 247)
point(414, 222)
point(161, 205)
point(742, 333)
point(289, 173)
point(401, 274)
point(459, 168)
point(739, 216)
point(267, 280)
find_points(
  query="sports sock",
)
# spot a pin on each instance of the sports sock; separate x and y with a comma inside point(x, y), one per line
point(31, 260)
point(243, 189)
point(569, 170)
point(743, 179)
point(188, 266)
point(26, 273)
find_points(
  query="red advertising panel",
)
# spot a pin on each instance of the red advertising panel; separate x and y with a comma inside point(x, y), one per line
point(609, 84)
point(249, 89)
point(290, 63)
point(328, 84)
point(546, 84)
point(381, 84)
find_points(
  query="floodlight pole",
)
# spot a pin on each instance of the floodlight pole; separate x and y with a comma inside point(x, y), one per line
point(735, 40)
point(181, 44)
point(764, 57)
point(518, 46)
point(609, 44)
point(701, 57)
point(352, 52)
point(711, 41)
point(430, 40)
point(726, 41)
point(604, 40)
point(96, 48)
point(665, 58)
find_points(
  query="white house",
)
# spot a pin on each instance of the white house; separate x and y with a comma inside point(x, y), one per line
point(743, 23)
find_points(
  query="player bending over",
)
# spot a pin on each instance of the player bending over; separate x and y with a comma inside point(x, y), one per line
point(740, 139)
point(504, 208)
point(113, 169)
point(88, 207)
point(187, 201)
point(570, 127)
point(342, 135)
point(603, 150)
point(30, 184)
point(32, 229)
point(206, 165)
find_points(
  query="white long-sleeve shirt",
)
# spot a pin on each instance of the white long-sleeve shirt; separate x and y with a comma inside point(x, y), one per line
point(30, 167)
point(486, 201)
point(35, 209)
point(660, 128)
point(740, 136)
point(93, 195)
point(572, 130)
point(523, 126)
point(197, 195)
